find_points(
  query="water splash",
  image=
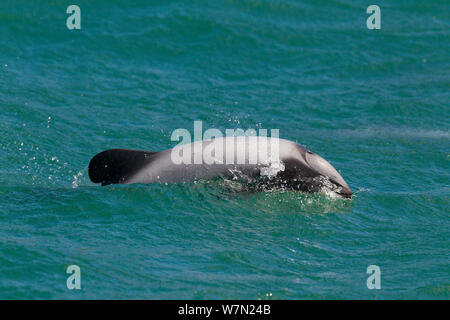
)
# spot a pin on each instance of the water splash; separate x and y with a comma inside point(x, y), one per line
point(77, 180)
point(274, 166)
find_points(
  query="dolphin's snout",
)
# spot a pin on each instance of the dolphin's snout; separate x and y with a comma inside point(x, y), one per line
point(344, 191)
point(324, 168)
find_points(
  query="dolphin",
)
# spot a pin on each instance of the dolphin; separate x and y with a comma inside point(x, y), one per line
point(278, 162)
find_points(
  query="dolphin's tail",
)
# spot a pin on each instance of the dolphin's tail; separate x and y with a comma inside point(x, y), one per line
point(117, 165)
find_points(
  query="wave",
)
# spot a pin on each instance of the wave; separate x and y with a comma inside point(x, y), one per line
point(405, 132)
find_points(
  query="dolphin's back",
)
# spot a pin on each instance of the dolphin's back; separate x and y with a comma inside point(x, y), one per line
point(290, 164)
point(132, 166)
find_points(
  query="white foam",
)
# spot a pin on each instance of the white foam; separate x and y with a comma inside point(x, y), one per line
point(274, 166)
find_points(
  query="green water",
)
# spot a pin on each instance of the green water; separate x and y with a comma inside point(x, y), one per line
point(375, 103)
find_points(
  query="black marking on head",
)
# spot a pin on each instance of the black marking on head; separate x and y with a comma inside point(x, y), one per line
point(294, 168)
point(117, 165)
point(298, 175)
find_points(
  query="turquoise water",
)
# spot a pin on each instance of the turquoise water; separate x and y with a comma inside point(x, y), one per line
point(375, 103)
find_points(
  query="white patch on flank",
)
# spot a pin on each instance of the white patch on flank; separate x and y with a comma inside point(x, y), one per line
point(274, 166)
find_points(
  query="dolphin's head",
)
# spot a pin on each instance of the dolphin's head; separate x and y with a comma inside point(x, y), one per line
point(324, 169)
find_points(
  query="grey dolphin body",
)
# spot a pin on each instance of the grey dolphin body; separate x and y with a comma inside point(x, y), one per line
point(280, 162)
